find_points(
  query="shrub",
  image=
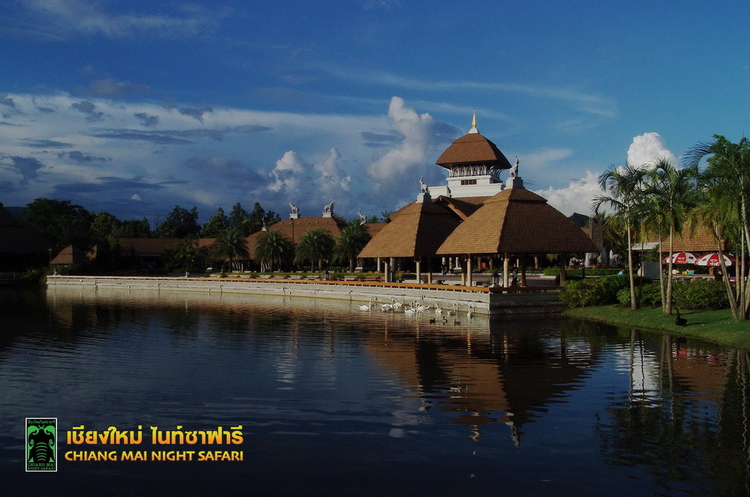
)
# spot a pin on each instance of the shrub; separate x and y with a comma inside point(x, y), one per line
point(705, 294)
point(688, 295)
point(592, 291)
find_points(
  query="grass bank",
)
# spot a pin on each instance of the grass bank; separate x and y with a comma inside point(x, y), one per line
point(713, 326)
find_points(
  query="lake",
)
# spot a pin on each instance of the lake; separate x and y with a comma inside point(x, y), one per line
point(333, 400)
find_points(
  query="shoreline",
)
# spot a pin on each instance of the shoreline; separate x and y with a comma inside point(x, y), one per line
point(481, 300)
point(718, 326)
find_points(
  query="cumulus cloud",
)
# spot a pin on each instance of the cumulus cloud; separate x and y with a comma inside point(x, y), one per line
point(415, 130)
point(647, 148)
point(290, 175)
point(195, 112)
point(576, 197)
point(333, 181)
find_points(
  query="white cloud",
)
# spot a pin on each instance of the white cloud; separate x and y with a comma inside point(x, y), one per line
point(576, 197)
point(333, 180)
point(290, 174)
point(647, 148)
point(412, 150)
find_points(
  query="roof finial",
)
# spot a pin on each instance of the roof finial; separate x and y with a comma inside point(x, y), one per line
point(474, 123)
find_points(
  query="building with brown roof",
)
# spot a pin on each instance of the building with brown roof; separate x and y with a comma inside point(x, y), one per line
point(482, 220)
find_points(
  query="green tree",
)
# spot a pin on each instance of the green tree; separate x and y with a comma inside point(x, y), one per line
point(215, 225)
point(273, 248)
point(239, 219)
point(180, 223)
point(672, 194)
point(314, 245)
point(134, 228)
point(624, 187)
point(61, 223)
point(351, 241)
point(185, 256)
point(726, 181)
point(230, 245)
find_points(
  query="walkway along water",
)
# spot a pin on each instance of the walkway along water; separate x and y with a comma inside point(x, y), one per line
point(483, 300)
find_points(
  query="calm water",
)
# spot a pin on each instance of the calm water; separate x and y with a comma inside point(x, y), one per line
point(337, 401)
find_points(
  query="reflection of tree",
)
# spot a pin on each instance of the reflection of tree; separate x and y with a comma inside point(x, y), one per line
point(685, 430)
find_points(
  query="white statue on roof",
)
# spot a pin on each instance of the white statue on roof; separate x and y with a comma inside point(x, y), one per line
point(423, 186)
point(514, 169)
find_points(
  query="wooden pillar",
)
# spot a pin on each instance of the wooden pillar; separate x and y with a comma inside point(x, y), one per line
point(429, 270)
point(419, 269)
point(563, 274)
point(392, 269)
point(387, 271)
point(469, 279)
point(506, 270)
point(523, 270)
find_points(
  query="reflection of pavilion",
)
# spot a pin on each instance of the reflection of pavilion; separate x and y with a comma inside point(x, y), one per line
point(505, 377)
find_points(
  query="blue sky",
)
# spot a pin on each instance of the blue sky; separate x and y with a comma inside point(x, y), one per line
point(133, 106)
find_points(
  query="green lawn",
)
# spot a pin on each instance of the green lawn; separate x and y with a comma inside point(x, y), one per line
point(714, 326)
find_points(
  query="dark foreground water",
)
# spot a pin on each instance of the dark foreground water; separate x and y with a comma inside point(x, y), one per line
point(333, 400)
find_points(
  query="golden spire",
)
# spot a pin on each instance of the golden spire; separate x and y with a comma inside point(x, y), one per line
point(474, 123)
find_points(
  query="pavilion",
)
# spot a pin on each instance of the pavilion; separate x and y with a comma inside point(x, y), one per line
point(477, 215)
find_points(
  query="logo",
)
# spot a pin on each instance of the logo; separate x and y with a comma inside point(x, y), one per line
point(41, 444)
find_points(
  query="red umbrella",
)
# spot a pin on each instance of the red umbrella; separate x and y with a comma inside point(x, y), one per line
point(681, 258)
point(713, 260)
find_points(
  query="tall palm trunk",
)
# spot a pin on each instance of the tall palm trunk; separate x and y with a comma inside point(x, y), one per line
point(670, 279)
point(633, 301)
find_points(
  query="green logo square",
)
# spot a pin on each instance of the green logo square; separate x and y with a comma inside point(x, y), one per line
point(41, 444)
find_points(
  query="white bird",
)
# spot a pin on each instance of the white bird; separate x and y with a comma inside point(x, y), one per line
point(364, 307)
point(470, 313)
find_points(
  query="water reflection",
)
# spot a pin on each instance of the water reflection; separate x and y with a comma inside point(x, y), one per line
point(343, 397)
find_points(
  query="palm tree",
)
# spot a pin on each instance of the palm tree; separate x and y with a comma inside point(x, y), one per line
point(671, 196)
point(625, 188)
point(351, 241)
point(273, 247)
point(728, 179)
point(314, 245)
point(230, 245)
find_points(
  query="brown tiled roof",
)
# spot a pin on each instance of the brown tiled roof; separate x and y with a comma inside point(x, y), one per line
point(415, 230)
point(516, 221)
point(71, 255)
point(17, 237)
point(298, 227)
point(473, 148)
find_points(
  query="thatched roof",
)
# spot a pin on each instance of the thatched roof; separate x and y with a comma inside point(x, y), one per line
point(697, 240)
point(19, 238)
point(516, 221)
point(463, 207)
point(415, 230)
point(473, 148)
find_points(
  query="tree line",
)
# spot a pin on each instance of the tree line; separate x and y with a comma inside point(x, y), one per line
point(667, 200)
point(64, 223)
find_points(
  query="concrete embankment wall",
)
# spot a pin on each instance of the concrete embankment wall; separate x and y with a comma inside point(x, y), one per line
point(481, 300)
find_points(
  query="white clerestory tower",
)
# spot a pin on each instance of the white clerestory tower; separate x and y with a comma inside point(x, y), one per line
point(474, 164)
